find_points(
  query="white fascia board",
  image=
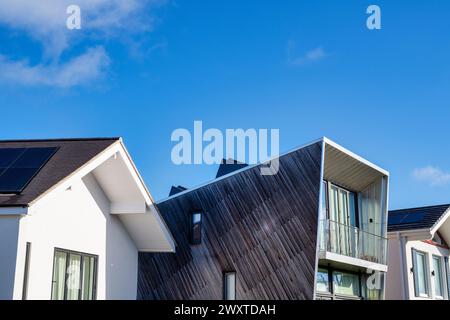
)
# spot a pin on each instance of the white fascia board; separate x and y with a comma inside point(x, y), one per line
point(13, 211)
point(80, 172)
point(441, 221)
point(355, 156)
point(111, 151)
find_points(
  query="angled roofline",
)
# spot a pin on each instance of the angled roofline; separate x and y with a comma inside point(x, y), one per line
point(440, 221)
point(355, 156)
point(324, 140)
point(432, 230)
point(60, 139)
point(250, 166)
point(73, 173)
point(119, 146)
point(422, 207)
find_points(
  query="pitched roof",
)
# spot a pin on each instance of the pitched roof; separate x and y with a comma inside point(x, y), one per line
point(415, 218)
point(71, 155)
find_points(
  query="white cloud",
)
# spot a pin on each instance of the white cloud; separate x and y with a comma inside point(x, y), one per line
point(432, 175)
point(45, 22)
point(79, 70)
point(309, 57)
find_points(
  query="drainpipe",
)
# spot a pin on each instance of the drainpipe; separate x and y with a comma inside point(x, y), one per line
point(404, 268)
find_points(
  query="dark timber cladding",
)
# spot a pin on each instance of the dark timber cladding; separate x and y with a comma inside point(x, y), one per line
point(262, 227)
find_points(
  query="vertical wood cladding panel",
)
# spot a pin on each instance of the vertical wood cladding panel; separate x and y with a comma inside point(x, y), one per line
point(262, 227)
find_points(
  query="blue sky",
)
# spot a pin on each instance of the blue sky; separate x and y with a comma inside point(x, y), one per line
point(308, 68)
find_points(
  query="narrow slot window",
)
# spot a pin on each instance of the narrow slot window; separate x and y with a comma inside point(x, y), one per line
point(27, 270)
point(230, 286)
point(196, 228)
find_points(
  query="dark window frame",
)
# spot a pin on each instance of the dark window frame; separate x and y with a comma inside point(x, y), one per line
point(26, 271)
point(82, 255)
point(336, 296)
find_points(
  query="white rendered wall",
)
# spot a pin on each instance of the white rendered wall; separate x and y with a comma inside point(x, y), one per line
point(394, 289)
point(77, 219)
point(9, 234)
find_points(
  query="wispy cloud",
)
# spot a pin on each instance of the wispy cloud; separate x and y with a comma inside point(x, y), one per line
point(308, 57)
point(432, 175)
point(45, 21)
point(80, 70)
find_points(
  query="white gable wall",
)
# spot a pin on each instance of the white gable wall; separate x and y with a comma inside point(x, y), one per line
point(76, 219)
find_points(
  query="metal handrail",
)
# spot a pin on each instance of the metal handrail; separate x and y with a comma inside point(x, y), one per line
point(351, 241)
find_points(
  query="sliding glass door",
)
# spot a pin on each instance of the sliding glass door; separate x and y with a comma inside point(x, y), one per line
point(342, 220)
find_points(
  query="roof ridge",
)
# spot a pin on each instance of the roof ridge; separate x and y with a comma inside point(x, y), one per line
point(418, 208)
point(60, 139)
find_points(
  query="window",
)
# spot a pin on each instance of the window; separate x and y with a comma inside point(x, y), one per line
point(447, 276)
point(333, 284)
point(420, 269)
point(27, 270)
point(196, 228)
point(230, 286)
point(438, 278)
point(342, 212)
point(346, 283)
point(74, 276)
point(323, 280)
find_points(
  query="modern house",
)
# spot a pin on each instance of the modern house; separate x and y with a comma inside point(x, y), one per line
point(419, 241)
point(315, 230)
point(73, 216)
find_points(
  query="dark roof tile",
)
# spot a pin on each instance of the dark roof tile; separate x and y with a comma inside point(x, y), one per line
point(415, 218)
point(72, 154)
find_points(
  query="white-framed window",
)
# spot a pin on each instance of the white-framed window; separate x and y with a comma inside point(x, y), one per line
point(421, 274)
point(439, 277)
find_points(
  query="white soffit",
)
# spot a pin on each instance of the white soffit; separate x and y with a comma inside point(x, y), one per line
point(347, 169)
point(121, 188)
point(130, 199)
point(122, 184)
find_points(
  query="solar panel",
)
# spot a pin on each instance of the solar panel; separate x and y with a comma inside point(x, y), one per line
point(406, 218)
point(18, 166)
point(395, 219)
point(8, 156)
point(413, 218)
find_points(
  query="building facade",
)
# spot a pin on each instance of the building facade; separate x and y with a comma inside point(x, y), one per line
point(419, 254)
point(315, 230)
point(73, 216)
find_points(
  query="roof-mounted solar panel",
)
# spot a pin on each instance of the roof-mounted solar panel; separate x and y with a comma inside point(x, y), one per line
point(413, 218)
point(406, 218)
point(18, 166)
point(395, 219)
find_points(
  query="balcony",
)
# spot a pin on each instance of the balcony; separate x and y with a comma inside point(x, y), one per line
point(352, 242)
